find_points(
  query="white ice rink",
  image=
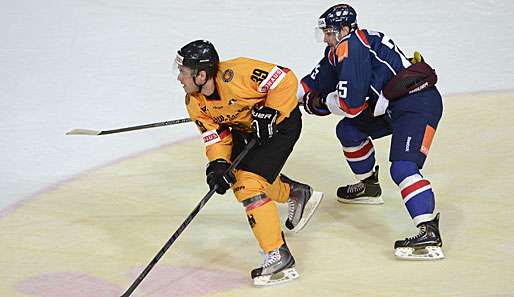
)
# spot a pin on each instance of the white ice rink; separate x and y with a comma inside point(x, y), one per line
point(108, 64)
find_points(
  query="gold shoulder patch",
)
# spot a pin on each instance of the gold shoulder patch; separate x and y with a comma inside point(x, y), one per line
point(227, 75)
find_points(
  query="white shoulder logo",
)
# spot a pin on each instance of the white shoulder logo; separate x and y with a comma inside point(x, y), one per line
point(275, 76)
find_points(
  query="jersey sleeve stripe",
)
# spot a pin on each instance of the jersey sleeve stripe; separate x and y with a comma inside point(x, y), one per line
point(214, 136)
point(351, 111)
point(362, 38)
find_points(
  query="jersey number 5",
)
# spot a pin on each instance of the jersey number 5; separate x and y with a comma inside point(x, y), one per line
point(342, 89)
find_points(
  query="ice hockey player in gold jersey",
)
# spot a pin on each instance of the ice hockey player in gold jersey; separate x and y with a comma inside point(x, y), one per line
point(231, 102)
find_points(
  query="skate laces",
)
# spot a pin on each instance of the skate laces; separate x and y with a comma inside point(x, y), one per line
point(356, 187)
point(422, 231)
point(271, 258)
point(291, 208)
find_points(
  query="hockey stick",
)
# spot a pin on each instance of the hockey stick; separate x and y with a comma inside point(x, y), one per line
point(153, 125)
point(185, 223)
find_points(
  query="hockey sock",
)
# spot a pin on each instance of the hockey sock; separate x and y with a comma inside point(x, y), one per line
point(264, 220)
point(358, 149)
point(416, 191)
point(361, 159)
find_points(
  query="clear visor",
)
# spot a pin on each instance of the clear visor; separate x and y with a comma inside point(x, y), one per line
point(319, 33)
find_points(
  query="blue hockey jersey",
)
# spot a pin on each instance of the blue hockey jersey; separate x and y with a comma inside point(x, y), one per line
point(355, 73)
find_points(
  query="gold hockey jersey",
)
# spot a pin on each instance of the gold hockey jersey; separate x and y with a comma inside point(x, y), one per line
point(241, 84)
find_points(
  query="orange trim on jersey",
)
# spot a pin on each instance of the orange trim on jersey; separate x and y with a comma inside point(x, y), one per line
point(427, 140)
point(352, 111)
point(363, 37)
point(342, 51)
point(305, 86)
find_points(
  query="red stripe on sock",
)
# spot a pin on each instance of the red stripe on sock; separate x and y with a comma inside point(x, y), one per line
point(359, 153)
point(415, 186)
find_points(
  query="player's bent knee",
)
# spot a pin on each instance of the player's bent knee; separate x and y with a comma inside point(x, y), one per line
point(401, 169)
point(248, 185)
point(348, 134)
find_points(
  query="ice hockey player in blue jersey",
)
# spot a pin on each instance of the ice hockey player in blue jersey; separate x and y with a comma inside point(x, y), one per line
point(367, 79)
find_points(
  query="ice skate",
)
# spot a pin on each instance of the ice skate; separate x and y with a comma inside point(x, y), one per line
point(367, 191)
point(278, 268)
point(424, 246)
point(302, 203)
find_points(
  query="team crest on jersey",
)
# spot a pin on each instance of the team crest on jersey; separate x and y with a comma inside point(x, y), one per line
point(227, 75)
point(232, 101)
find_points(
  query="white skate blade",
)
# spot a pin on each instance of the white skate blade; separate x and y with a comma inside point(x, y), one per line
point(281, 277)
point(309, 210)
point(362, 200)
point(426, 254)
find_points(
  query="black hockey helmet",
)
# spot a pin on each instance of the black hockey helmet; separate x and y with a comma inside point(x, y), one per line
point(199, 55)
point(338, 16)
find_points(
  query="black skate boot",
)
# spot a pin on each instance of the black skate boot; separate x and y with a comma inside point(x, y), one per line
point(278, 267)
point(302, 203)
point(367, 191)
point(424, 246)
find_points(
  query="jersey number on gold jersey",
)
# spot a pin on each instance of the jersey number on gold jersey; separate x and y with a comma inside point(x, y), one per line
point(258, 75)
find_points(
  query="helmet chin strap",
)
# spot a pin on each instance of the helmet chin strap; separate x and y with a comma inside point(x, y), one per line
point(339, 35)
point(199, 86)
point(339, 38)
point(196, 84)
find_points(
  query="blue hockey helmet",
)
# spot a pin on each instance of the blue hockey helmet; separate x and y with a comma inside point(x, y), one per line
point(199, 55)
point(338, 16)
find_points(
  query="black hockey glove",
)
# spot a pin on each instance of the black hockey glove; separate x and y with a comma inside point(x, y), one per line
point(264, 123)
point(314, 103)
point(217, 175)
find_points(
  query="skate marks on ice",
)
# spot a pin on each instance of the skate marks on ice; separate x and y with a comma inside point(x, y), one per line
point(165, 281)
point(92, 231)
point(189, 281)
point(62, 284)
